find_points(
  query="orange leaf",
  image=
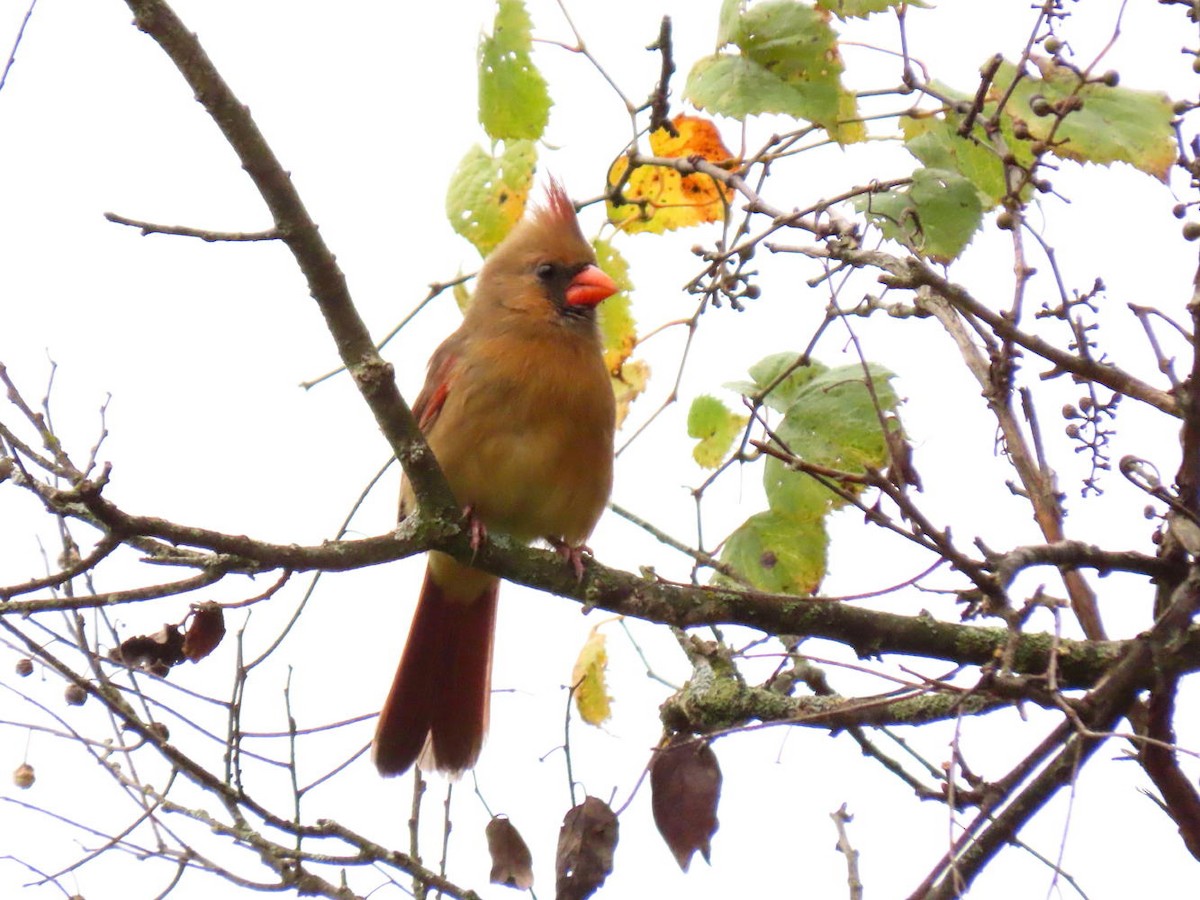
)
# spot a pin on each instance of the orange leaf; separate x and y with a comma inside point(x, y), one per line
point(661, 198)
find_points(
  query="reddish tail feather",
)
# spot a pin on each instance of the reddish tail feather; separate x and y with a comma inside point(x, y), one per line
point(437, 708)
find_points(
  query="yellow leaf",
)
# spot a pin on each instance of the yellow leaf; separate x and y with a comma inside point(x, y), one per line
point(614, 316)
point(660, 198)
point(591, 692)
point(462, 297)
point(628, 385)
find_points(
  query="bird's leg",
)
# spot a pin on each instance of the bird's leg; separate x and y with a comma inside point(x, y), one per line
point(475, 527)
point(572, 555)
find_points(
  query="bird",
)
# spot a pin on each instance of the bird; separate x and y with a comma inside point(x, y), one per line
point(519, 411)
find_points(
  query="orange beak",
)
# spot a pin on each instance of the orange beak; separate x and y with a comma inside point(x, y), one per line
point(589, 287)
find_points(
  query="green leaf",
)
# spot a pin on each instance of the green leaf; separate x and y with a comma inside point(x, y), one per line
point(487, 193)
point(794, 493)
point(860, 9)
point(714, 426)
point(833, 421)
point(789, 64)
point(728, 21)
point(778, 553)
point(936, 216)
point(1115, 124)
point(830, 420)
point(765, 372)
point(513, 100)
point(791, 40)
point(734, 86)
point(934, 140)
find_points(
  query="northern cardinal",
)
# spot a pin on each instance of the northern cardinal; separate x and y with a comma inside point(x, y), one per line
point(518, 408)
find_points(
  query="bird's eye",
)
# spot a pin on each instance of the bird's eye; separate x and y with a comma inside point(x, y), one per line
point(545, 271)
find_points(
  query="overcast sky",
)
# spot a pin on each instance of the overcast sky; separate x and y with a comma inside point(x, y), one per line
point(198, 350)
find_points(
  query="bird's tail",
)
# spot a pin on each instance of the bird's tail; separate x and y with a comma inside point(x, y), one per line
point(437, 709)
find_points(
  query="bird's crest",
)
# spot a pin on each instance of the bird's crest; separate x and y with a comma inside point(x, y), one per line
point(559, 211)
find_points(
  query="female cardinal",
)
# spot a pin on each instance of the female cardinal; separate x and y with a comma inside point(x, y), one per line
point(518, 408)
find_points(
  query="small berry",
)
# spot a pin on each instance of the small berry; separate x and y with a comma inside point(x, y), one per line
point(75, 695)
point(23, 777)
point(1191, 231)
point(1005, 221)
point(25, 667)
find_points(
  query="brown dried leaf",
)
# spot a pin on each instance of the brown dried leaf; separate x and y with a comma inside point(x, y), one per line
point(512, 863)
point(153, 652)
point(205, 631)
point(685, 786)
point(586, 843)
point(901, 471)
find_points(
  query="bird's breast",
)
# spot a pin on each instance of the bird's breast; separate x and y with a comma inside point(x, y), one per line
point(527, 440)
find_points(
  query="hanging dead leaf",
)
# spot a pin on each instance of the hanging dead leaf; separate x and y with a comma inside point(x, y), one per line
point(661, 198)
point(901, 472)
point(205, 631)
point(155, 653)
point(586, 843)
point(588, 678)
point(685, 786)
point(512, 863)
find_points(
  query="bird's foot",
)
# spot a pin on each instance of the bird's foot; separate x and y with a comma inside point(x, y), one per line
point(475, 528)
point(572, 555)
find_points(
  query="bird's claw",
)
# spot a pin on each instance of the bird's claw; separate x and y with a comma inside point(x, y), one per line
point(572, 555)
point(475, 528)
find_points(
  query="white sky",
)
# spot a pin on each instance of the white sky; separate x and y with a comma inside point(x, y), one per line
point(202, 346)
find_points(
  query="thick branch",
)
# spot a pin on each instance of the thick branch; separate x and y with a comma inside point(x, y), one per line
point(870, 632)
point(705, 705)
